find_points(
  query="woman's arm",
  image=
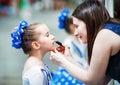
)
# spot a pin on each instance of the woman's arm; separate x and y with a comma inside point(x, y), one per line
point(100, 57)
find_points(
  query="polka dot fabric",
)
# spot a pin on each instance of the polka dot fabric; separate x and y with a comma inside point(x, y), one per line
point(62, 77)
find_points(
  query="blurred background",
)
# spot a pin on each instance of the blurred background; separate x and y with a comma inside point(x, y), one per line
point(11, 12)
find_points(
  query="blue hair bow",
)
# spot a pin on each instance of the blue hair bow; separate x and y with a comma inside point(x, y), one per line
point(16, 35)
point(63, 15)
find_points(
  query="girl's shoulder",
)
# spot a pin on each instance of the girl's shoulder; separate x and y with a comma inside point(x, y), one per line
point(32, 64)
point(33, 70)
point(35, 76)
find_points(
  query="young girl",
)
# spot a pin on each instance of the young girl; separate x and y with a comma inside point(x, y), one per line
point(36, 41)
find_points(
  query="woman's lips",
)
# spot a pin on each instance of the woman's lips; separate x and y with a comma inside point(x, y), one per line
point(80, 37)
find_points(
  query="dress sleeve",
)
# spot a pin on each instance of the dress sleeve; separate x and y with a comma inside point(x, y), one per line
point(37, 78)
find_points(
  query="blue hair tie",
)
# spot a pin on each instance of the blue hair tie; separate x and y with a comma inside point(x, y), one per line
point(16, 35)
point(63, 15)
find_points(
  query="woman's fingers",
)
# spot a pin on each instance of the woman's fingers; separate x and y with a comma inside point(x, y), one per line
point(67, 51)
point(61, 49)
point(58, 57)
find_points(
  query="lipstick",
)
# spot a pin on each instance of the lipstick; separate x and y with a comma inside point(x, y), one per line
point(60, 48)
point(59, 43)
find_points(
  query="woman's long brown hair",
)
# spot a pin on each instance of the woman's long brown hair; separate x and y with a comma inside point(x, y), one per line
point(94, 15)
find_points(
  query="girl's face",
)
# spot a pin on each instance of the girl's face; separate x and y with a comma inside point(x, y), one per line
point(80, 30)
point(45, 39)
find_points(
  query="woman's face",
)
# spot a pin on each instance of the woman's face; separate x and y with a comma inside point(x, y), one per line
point(46, 39)
point(80, 30)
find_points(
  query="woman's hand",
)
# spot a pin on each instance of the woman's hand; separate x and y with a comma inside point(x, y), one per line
point(61, 49)
point(59, 56)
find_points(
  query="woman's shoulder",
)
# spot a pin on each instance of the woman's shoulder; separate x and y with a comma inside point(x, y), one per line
point(109, 38)
point(110, 31)
point(113, 27)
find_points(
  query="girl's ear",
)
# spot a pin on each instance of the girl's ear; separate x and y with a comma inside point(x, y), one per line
point(35, 45)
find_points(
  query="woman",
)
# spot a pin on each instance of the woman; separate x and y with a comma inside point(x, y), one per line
point(94, 26)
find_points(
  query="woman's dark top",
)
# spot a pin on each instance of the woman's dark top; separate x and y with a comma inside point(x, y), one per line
point(113, 69)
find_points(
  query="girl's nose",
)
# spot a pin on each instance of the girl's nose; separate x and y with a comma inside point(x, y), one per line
point(53, 37)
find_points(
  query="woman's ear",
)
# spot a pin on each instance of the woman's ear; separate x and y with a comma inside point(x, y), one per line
point(35, 45)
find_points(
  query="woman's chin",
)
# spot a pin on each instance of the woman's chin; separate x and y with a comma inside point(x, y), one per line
point(85, 42)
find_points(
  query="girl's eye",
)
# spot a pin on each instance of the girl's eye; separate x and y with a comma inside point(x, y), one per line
point(47, 35)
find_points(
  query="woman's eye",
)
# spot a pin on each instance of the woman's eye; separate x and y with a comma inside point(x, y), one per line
point(76, 26)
